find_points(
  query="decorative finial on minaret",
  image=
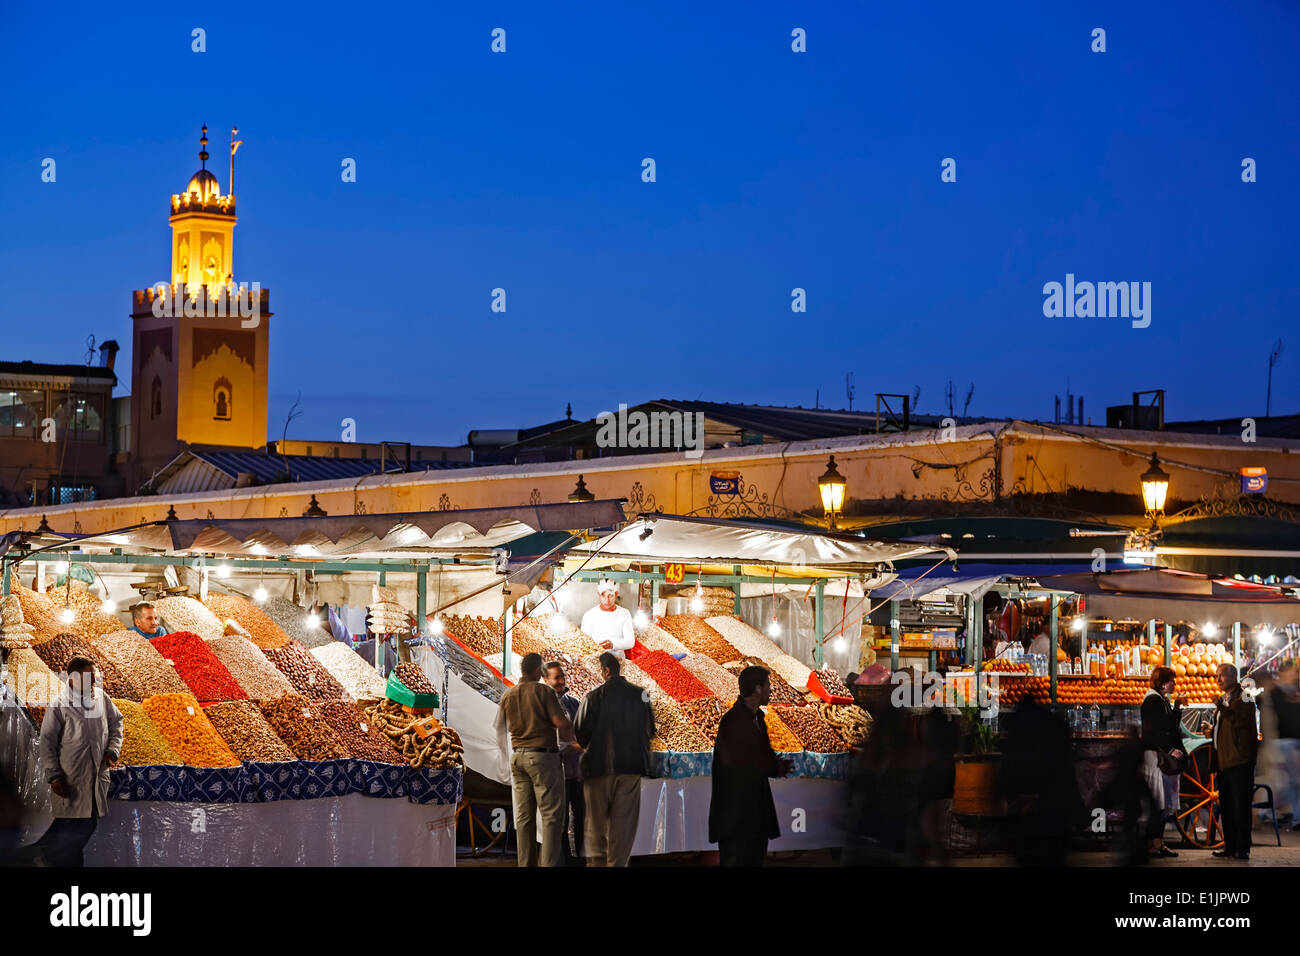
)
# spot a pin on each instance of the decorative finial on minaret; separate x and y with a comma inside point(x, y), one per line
point(203, 143)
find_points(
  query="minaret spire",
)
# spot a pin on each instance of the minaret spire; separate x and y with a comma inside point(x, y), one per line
point(203, 147)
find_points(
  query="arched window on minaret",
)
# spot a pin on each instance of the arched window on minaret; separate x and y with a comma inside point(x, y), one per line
point(155, 397)
point(222, 398)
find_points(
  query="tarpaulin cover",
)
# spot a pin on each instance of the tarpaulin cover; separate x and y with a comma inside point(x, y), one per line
point(352, 830)
point(914, 583)
point(1159, 593)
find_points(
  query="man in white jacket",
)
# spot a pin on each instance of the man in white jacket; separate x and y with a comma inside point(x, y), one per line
point(80, 737)
point(607, 624)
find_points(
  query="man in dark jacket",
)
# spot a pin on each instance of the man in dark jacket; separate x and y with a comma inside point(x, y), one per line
point(614, 727)
point(742, 815)
point(1236, 745)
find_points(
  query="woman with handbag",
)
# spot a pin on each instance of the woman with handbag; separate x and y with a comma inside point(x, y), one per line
point(1163, 754)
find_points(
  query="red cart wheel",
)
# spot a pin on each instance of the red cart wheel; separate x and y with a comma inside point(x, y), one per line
point(1197, 818)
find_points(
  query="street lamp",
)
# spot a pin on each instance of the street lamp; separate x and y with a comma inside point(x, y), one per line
point(580, 493)
point(832, 484)
point(1155, 486)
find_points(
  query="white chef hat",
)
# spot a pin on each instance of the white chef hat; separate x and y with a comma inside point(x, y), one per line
point(606, 585)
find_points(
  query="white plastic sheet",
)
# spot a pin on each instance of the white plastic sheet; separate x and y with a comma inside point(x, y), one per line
point(355, 830)
point(472, 715)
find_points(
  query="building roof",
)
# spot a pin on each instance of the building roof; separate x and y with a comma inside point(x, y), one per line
point(214, 470)
point(60, 371)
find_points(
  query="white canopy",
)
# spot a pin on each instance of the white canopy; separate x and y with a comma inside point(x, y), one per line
point(673, 538)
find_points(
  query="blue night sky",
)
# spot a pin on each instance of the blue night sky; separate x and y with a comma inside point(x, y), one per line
point(775, 170)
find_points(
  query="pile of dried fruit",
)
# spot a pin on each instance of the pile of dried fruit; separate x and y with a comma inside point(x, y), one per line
point(187, 614)
point(261, 630)
point(832, 683)
point(655, 638)
point(782, 692)
point(422, 742)
point(298, 722)
point(706, 715)
point(699, 637)
point(294, 621)
point(412, 675)
point(183, 724)
point(250, 668)
point(358, 679)
point(89, 620)
point(849, 720)
point(143, 745)
point(576, 674)
point(246, 731)
point(635, 675)
point(60, 649)
point(31, 679)
point(781, 737)
point(139, 660)
point(363, 740)
point(673, 731)
point(721, 681)
point(305, 673)
point(199, 667)
point(815, 734)
point(562, 635)
point(528, 637)
point(482, 635)
point(674, 679)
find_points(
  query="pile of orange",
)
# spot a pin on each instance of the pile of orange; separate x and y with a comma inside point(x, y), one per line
point(1006, 667)
point(1011, 690)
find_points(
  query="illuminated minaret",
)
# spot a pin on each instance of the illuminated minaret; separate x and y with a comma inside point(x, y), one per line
point(199, 362)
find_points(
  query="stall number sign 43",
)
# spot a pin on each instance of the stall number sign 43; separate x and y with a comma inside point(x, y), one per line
point(674, 573)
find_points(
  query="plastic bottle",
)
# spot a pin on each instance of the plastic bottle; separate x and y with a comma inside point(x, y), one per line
point(1076, 717)
point(1094, 717)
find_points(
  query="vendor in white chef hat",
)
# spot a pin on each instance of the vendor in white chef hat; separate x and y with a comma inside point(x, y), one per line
point(607, 623)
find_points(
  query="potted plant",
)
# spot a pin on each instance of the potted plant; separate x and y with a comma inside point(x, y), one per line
point(975, 782)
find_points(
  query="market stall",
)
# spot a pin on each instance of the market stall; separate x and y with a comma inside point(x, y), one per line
point(252, 734)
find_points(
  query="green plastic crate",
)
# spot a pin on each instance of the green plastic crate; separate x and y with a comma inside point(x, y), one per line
point(399, 692)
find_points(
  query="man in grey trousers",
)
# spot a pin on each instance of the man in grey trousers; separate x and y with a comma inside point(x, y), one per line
point(614, 726)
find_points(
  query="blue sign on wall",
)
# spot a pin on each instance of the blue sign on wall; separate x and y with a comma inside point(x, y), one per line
point(1254, 481)
point(724, 483)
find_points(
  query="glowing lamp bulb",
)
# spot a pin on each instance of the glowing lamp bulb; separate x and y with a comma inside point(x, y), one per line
point(260, 595)
point(774, 628)
point(1210, 629)
point(1080, 625)
point(558, 623)
point(313, 621)
point(697, 606)
point(1265, 636)
point(68, 615)
point(435, 626)
point(223, 570)
point(640, 620)
point(109, 606)
point(839, 644)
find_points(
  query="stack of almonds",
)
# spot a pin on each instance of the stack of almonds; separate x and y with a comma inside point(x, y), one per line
point(721, 681)
point(199, 667)
point(143, 745)
point(527, 638)
point(577, 675)
point(305, 673)
point(359, 679)
point(258, 677)
point(139, 660)
point(39, 611)
point(673, 731)
point(259, 628)
point(706, 715)
point(782, 692)
point(31, 679)
point(699, 637)
point(298, 722)
point(655, 638)
point(183, 724)
point(14, 631)
point(562, 635)
point(364, 740)
point(62, 648)
point(422, 742)
point(246, 731)
point(412, 675)
point(482, 635)
point(187, 614)
point(813, 732)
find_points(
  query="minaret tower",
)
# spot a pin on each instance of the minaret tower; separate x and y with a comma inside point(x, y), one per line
point(203, 227)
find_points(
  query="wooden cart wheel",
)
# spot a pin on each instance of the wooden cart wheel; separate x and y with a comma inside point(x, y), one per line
point(1198, 802)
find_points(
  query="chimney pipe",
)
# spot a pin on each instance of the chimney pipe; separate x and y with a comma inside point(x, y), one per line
point(108, 354)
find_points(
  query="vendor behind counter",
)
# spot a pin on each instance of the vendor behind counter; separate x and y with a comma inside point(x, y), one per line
point(145, 622)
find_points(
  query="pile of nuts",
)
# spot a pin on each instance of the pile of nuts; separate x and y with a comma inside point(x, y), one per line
point(832, 683)
point(655, 638)
point(297, 721)
point(364, 740)
point(63, 647)
point(139, 660)
point(706, 715)
point(305, 673)
point(813, 732)
point(699, 637)
point(849, 720)
point(422, 742)
point(187, 614)
point(246, 731)
point(250, 667)
point(577, 676)
point(90, 620)
point(782, 692)
point(350, 669)
point(482, 635)
point(673, 731)
point(412, 675)
point(292, 619)
point(721, 681)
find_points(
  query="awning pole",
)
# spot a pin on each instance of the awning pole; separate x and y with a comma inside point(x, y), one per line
point(1236, 644)
point(1169, 642)
point(1051, 651)
point(895, 633)
point(821, 622)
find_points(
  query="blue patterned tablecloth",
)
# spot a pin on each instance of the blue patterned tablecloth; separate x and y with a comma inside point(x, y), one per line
point(675, 765)
point(293, 780)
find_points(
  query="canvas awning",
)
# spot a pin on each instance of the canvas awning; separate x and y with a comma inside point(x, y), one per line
point(1163, 594)
point(660, 539)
